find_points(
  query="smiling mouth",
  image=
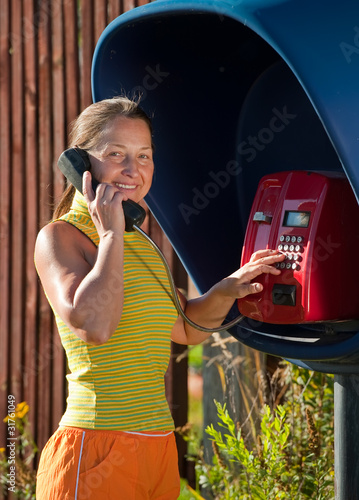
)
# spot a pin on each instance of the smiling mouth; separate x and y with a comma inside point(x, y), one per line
point(125, 186)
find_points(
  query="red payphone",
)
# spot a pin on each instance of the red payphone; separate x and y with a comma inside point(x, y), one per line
point(311, 218)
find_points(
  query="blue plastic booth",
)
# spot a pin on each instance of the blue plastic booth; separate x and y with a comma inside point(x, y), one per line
point(237, 90)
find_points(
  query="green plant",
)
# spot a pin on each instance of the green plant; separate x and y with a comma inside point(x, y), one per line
point(288, 455)
point(16, 472)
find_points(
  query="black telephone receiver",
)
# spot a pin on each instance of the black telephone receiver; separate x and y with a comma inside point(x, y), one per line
point(74, 162)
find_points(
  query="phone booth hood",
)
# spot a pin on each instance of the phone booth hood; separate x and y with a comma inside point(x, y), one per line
point(237, 90)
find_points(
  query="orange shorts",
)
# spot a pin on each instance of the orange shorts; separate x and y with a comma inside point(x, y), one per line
point(86, 464)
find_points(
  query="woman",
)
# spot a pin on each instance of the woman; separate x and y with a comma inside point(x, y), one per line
point(110, 296)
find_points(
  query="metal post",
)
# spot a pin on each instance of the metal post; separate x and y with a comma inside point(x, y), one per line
point(346, 437)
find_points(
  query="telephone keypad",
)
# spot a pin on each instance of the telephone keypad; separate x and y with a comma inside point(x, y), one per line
point(295, 248)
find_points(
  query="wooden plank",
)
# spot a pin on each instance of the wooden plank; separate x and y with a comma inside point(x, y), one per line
point(5, 230)
point(114, 9)
point(87, 47)
point(100, 20)
point(17, 203)
point(128, 5)
point(71, 60)
point(44, 115)
point(59, 136)
point(177, 397)
point(31, 214)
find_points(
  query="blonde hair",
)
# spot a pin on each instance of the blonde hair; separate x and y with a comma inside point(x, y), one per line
point(87, 129)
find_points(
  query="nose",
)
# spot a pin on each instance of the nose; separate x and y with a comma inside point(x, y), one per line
point(129, 167)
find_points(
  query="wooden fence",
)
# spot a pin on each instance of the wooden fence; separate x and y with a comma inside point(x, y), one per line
point(46, 48)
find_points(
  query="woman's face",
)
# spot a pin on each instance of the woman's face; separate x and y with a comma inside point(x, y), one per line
point(124, 157)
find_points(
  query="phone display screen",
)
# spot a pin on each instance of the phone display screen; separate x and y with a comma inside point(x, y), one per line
point(296, 219)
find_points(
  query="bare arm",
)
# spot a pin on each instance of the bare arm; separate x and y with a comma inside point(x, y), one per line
point(210, 309)
point(85, 284)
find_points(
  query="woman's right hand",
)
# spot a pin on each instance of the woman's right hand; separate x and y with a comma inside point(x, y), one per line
point(105, 206)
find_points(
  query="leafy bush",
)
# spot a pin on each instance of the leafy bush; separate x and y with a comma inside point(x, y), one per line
point(289, 452)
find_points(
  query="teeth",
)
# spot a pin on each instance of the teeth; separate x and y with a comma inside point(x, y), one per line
point(125, 186)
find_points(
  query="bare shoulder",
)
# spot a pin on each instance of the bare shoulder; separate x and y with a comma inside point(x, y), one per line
point(58, 231)
point(59, 235)
point(60, 243)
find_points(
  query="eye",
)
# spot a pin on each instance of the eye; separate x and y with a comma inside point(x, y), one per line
point(145, 156)
point(117, 155)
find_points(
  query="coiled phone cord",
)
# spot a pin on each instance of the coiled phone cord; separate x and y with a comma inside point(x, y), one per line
point(175, 295)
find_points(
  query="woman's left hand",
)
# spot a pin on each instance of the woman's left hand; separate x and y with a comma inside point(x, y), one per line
point(239, 284)
point(210, 309)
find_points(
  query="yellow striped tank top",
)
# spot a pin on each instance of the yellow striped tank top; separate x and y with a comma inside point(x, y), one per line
point(119, 385)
